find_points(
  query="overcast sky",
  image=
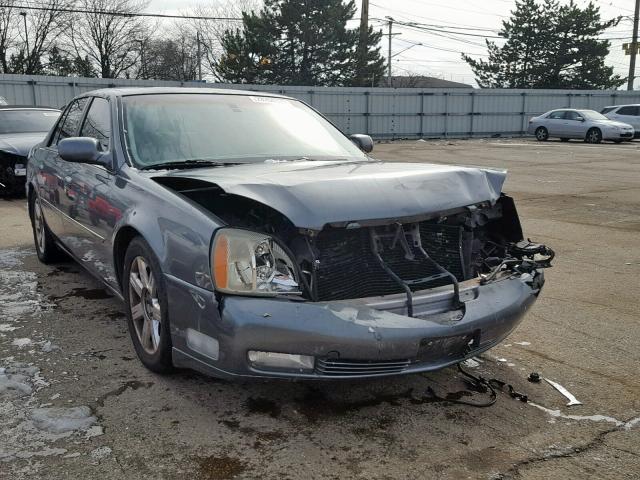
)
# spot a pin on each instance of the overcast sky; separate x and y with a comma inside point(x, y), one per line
point(439, 55)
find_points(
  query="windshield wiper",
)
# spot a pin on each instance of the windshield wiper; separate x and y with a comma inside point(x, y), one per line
point(186, 164)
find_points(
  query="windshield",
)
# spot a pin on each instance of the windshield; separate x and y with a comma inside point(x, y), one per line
point(166, 128)
point(592, 115)
point(27, 121)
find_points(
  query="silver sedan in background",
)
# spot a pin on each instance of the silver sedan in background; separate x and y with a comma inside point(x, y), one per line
point(588, 125)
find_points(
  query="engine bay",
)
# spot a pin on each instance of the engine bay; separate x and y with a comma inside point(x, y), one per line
point(372, 258)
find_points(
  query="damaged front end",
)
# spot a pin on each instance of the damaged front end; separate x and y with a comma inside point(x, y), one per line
point(366, 298)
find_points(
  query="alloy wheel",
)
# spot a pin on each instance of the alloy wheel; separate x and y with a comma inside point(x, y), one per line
point(144, 304)
point(594, 136)
point(541, 134)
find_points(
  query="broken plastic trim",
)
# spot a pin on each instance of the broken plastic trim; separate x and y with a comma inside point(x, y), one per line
point(400, 236)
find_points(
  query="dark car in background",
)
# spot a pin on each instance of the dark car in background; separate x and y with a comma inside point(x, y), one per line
point(249, 237)
point(21, 127)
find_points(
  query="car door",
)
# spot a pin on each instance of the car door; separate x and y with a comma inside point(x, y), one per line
point(97, 207)
point(555, 123)
point(628, 114)
point(68, 192)
point(575, 125)
point(53, 179)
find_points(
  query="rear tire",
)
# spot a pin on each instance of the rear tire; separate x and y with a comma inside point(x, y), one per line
point(542, 134)
point(594, 135)
point(147, 307)
point(46, 248)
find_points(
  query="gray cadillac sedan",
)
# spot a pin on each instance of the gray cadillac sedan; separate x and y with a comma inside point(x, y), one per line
point(248, 237)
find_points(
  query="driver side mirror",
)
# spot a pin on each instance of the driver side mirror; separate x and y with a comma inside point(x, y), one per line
point(364, 142)
point(80, 150)
point(580, 119)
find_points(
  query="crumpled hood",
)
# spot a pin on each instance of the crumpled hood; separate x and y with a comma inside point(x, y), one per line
point(20, 143)
point(313, 194)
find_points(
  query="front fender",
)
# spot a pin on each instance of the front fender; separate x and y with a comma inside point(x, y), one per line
point(178, 233)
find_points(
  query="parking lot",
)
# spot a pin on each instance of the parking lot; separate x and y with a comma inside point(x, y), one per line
point(64, 341)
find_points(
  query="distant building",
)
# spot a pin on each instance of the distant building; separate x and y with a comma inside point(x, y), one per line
point(420, 81)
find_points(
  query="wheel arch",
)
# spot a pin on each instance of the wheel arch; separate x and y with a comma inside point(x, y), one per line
point(31, 190)
point(594, 128)
point(121, 242)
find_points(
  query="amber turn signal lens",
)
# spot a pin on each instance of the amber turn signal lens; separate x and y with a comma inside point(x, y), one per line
point(220, 262)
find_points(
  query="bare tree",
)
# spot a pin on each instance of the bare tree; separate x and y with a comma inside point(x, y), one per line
point(211, 31)
point(8, 34)
point(44, 25)
point(173, 58)
point(112, 41)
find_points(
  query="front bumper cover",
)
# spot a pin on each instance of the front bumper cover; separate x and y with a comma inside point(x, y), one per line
point(353, 339)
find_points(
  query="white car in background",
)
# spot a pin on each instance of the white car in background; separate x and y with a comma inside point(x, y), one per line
point(587, 125)
point(624, 113)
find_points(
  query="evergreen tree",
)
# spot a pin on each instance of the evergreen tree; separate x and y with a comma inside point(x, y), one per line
point(63, 65)
point(549, 45)
point(297, 42)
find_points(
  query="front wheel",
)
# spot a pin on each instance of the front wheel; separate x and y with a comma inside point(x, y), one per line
point(146, 298)
point(594, 135)
point(542, 134)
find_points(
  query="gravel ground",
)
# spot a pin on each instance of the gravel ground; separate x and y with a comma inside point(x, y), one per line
point(76, 403)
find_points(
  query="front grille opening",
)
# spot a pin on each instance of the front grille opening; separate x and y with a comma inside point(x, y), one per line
point(347, 267)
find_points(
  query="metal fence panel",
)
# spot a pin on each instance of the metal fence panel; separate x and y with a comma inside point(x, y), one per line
point(381, 112)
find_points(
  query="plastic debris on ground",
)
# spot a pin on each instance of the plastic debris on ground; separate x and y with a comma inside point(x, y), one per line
point(572, 399)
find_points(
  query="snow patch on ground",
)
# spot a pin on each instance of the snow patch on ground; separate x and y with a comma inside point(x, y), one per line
point(21, 342)
point(30, 429)
point(62, 420)
point(7, 327)
point(18, 288)
point(48, 347)
point(27, 430)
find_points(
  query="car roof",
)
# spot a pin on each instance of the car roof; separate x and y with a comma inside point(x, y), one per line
point(126, 91)
point(625, 105)
point(27, 107)
point(570, 109)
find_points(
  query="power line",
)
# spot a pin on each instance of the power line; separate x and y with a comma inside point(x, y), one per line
point(419, 26)
point(441, 49)
point(402, 13)
point(118, 14)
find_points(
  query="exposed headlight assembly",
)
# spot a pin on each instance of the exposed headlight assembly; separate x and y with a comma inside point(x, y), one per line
point(251, 263)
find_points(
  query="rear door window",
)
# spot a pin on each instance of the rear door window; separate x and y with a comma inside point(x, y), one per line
point(97, 124)
point(630, 110)
point(571, 115)
point(71, 121)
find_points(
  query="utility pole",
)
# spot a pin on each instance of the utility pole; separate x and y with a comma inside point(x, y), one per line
point(26, 37)
point(200, 55)
point(634, 48)
point(362, 44)
point(389, 57)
